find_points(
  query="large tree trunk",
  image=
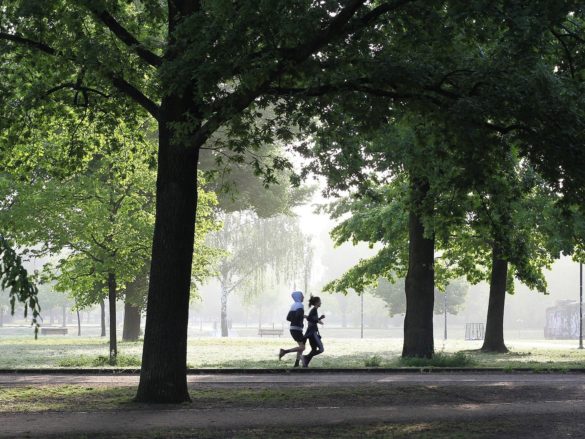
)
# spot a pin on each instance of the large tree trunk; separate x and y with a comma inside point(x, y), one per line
point(112, 308)
point(163, 376)
point(494, 330)
point(419, 283)
point(135, 293)
point(132, 314)
point(224, 299)
point(103, 318)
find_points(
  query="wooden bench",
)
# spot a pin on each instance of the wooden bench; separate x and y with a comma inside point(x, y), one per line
point(269, 331)
point(49, 331)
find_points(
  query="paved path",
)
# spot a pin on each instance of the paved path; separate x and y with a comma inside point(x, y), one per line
point(569, 405)
point(444, 379)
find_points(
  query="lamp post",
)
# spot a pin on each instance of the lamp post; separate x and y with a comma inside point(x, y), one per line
point(580, 305)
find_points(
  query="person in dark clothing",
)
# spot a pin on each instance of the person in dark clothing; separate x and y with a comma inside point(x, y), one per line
point(312, 333)
point(296, 317)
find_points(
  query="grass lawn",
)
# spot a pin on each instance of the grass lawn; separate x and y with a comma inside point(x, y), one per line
point(255, 352)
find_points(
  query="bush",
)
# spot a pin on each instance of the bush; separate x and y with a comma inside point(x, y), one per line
point(459, 359)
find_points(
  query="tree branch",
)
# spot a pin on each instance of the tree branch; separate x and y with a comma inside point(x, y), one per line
point(567, 52)
point(133, 93)
point(117, 81)
point(75, 87)
point(29, 43)
point(240, 100)
point(376, 13)
point(126, 37)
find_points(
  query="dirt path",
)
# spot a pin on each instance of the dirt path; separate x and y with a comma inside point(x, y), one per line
point(31, 425)
point(464, 398)
point(444, 379)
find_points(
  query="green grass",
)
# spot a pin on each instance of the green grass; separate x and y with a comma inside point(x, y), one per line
point(71, 397)
point(100, 361)
point(254, 352)
point(64, 398)
point(373, 361)
point(440, 359)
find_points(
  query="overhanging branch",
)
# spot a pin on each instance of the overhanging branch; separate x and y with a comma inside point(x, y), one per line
point(116, 80)
point(28, 43)
point(126, 37)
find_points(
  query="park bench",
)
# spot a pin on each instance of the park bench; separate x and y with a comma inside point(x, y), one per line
point(49, 331)
point(269, 331)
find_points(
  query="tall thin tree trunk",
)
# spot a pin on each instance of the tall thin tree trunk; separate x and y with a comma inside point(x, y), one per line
point(1, 316)
point(78, 324)
point(64, 316)
point(419, 283)
point(494, 330)
point(103, 318)
point(163, 376)
point(224, 299)
point(112, 308)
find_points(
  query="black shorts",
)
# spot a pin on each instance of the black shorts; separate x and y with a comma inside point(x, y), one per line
point(297, 335)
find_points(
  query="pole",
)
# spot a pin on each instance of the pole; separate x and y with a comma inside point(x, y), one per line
point(580, 305)
point(362, 314)
point(445, 311)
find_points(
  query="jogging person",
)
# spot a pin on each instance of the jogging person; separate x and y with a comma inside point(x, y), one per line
point(296, 317)
point(312, 333)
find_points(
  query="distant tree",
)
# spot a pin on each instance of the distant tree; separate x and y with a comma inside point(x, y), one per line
point(256, 250)
point(393, 296)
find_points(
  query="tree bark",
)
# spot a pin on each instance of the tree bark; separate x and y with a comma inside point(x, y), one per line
point(134, 299)
point(494, 330)
point(1, 316)
point(64, 316)
point(112, 308)
point(419, 283)
point(78, 324)
point(163, 377)
point(132, 314)
point(103, 318)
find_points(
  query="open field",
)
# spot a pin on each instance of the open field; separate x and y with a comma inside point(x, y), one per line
point(255, 352)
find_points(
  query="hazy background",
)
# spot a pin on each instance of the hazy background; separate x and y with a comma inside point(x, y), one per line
point(524, 316)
